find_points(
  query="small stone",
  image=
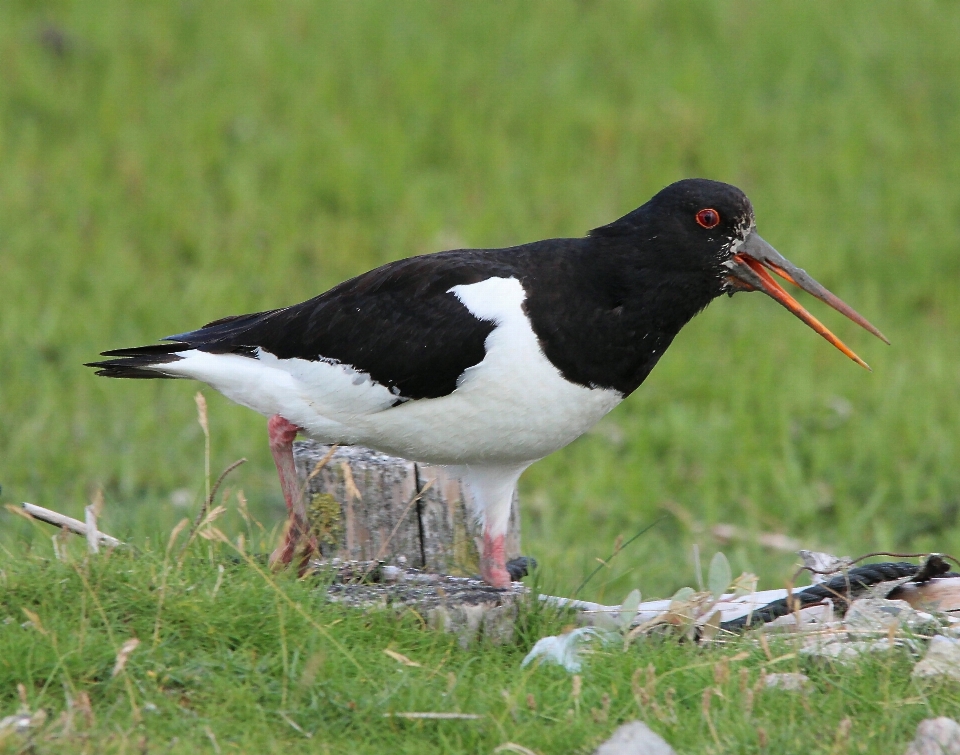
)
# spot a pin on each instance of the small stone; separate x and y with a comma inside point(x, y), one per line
point(810, 617)
point(936, 736)
point(635, 738)
point(845, 651)
point(877, 616)
point(391, 574)
point(942, 660)
point(788, 682)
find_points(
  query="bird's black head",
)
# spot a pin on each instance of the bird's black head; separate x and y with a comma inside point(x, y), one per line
point(694, 226)
point(698, 238)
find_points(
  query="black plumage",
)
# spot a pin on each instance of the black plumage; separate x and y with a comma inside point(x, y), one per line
point(604, 307)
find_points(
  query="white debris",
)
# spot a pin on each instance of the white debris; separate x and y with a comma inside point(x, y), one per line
point(788, 682)
point(635, 738)
point(18, 723)
point(21, 722)
point(936, 736)
point(824, 566)
point(564, 649)
point(942, 659)
point(878, 617)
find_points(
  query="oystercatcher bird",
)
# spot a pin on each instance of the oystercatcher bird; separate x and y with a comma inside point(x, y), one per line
point(484, 359)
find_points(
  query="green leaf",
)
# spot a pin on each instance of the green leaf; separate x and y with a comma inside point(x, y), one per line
point(720, 576)
point(711, 626)
point(628, 609)
point(683, 594)
point(606, 621)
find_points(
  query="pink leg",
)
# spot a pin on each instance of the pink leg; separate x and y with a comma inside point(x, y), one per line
point(492, 487)
point(493, 564)
point(282, 435)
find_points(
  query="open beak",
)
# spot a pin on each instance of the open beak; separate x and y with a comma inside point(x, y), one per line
point(748, 272)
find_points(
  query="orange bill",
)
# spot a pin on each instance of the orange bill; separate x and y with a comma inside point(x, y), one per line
point(748, 271)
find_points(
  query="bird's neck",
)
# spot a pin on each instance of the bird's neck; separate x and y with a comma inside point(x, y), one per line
point(612, 326)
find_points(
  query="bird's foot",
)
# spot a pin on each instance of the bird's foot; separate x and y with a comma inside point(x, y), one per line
point(520, 567)
point(297, 544)
point(493, 568)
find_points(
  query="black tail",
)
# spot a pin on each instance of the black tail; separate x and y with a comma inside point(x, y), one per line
point(135, 363)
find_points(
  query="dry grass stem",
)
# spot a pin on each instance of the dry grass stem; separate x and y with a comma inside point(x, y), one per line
point(124, 655)
point(515, 748)
point(435, 715)
point(201, 402)
point(202, 517)
point(164, 571)
point(400, 658)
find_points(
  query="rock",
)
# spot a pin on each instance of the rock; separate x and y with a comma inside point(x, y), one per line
point(877, 617)
point(359, 504)
point(788, 682)
point(810, 618)
point(467, 607)
point(942, 660)
point(635, 738)
point(845, 651)
point(936, 736)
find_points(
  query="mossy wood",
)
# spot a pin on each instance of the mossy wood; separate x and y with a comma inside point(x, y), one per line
point(360, 506)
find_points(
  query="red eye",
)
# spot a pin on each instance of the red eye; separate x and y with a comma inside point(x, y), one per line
point(708, 218)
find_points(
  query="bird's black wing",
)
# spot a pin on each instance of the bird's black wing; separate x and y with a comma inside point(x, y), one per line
point(397, 323)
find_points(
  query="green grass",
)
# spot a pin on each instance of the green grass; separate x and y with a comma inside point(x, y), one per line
point(240, 657)
point(182, 161)
point(165, 164)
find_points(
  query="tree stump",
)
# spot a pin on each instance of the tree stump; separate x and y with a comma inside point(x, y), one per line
point(364, 505)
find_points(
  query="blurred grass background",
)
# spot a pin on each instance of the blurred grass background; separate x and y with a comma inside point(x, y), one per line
point(166, 164)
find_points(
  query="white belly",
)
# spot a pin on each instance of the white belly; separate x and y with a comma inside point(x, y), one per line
point(513, 406)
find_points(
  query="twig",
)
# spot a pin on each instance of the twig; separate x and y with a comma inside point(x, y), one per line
point(68, 523)
point(93, 534)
